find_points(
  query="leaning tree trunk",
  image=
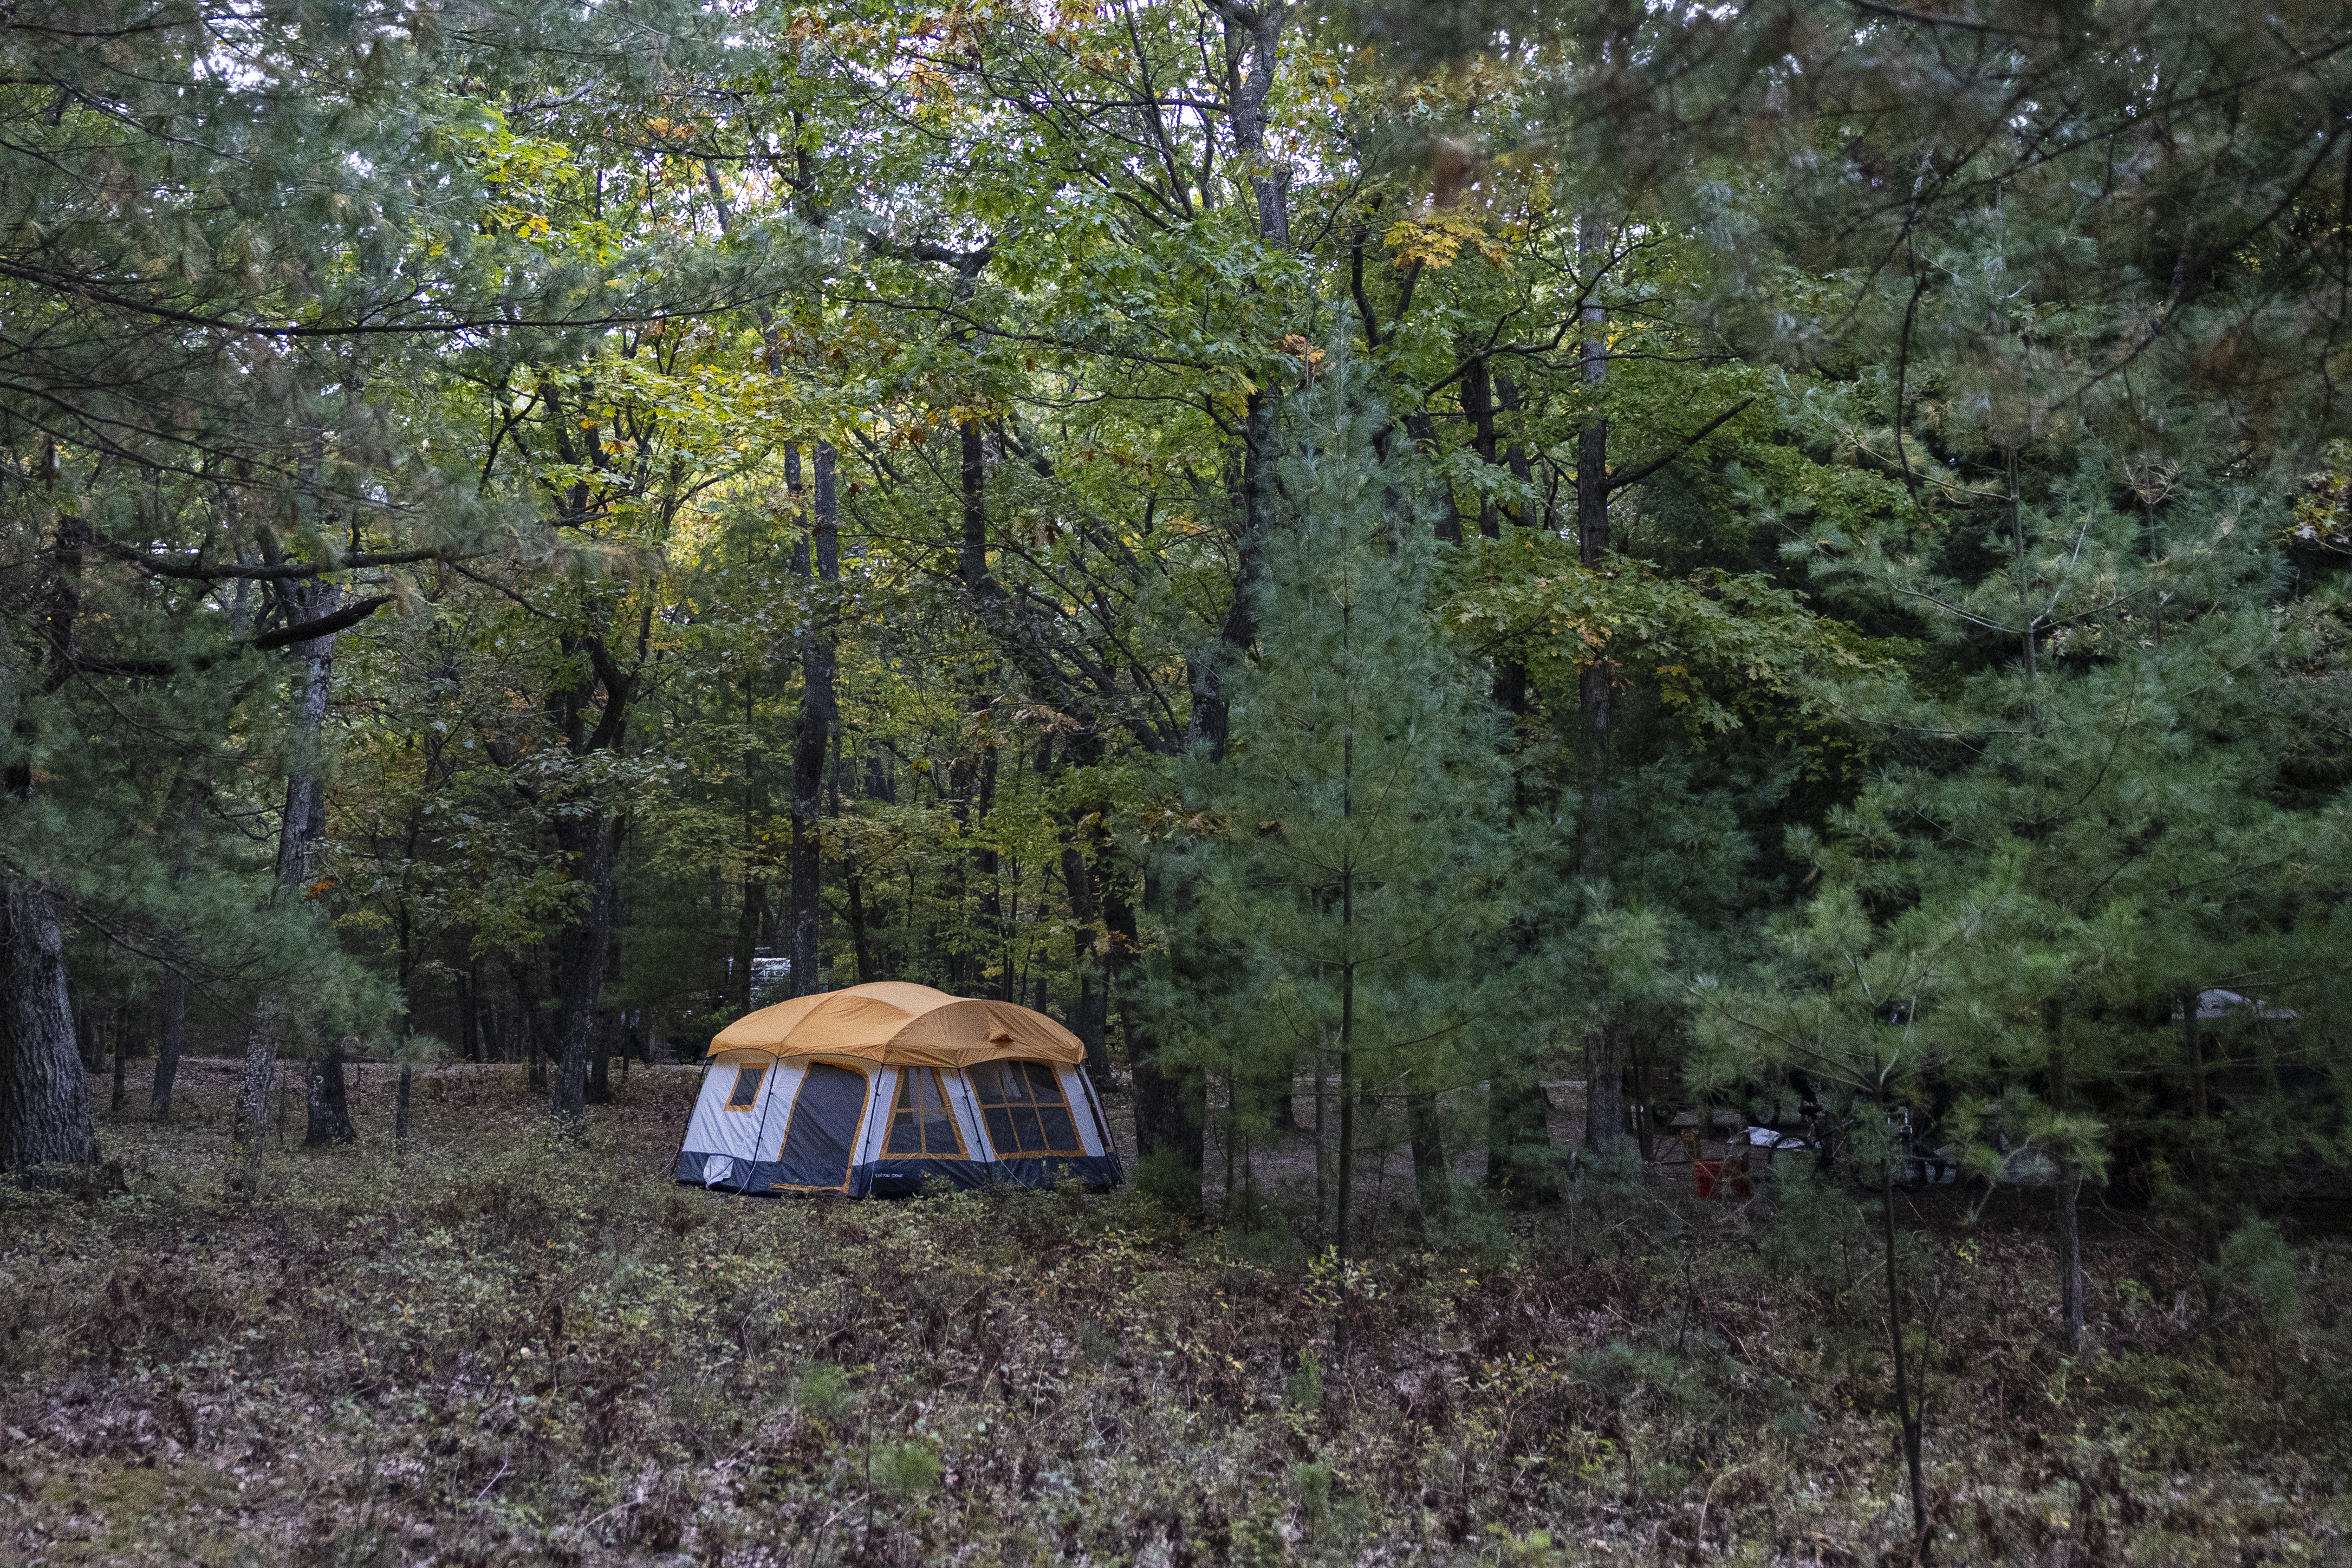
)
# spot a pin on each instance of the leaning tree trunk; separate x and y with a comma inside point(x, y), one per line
point(45, 1117)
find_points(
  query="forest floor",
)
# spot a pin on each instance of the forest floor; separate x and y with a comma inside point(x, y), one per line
point(512, 1349)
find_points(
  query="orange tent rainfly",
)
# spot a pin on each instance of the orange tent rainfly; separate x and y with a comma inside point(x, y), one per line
point(879, 1088)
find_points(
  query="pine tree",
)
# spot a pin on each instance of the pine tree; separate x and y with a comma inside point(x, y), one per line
point(1343, 855)
point(2081, 780)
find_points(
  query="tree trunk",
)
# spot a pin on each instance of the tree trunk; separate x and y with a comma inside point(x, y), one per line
point(1517, 1143)
point(469, 1012)
point(171, 1039)
point(300, 831)
point(1343, 1236)
point(1604, 1088)
point(254, 1080)
point(1322, 1160)
point(400, 1118)
point(523, 1027)
point(1478, 403)
point(1166, 1113)
point(1431, 1180)
point(1514, 455)
point(1252, 36)
point(599, 1066)
point(861, 936)
point(329, 1103)
point(813, 733)
point(2070, 1257)
point(1604, 1046)
point(122, 1096)
point(749, 914)
point(45, 1117)
point(2200, 1149)
point(975, 780)
point(590, 841)
point(1082, 830)
point(2069, 1189)
point(1909, 1413)
point(88, 1045)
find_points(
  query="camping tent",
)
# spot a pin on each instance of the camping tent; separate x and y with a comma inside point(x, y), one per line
point(876, 1089)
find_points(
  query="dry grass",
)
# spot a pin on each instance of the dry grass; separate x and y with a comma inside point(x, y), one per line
point(514, 1351)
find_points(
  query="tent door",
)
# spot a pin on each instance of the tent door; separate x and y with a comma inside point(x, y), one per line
point(822, 1131)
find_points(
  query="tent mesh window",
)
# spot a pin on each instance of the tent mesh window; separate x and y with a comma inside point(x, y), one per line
point(823, 1131)
point(922, 1123)
point(746, 1092)
point(1025, 1109)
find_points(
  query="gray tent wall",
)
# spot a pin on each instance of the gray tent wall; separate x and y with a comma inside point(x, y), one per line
point(810, 1124)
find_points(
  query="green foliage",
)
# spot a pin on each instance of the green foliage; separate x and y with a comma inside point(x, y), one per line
point(1343, 856)
point(1303, 1390)
point(823, 1393)
point(1161, 1179)
point(2257, 1273)
point(908, 1470)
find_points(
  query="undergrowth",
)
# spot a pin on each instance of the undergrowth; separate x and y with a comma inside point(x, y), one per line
point(513, 1349)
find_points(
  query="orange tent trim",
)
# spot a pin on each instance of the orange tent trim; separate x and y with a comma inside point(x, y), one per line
point(896, 1023)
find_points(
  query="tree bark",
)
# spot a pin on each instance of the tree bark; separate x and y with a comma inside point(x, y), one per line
point(1605, 1045)
point(1252, 36)
point(44, 1116)
point(255, 1075)
point(813, 731)
point(469, 1014)
point(600, 1065)
point(1166, 1114)
point(589, 843)
point(2070, 1190)
point(1478, 403)
point(973, 779)
point(299, 832)
point(327, 1098)
point(173, 1038)
point(1909, 1413)
point(1431, 1180)
point(2070, 1257)
point(2201, 1148)
point(588, 835)
point(122, 1095)
point(400, 1118)
point(1253, 33)
point(1089, 1013)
